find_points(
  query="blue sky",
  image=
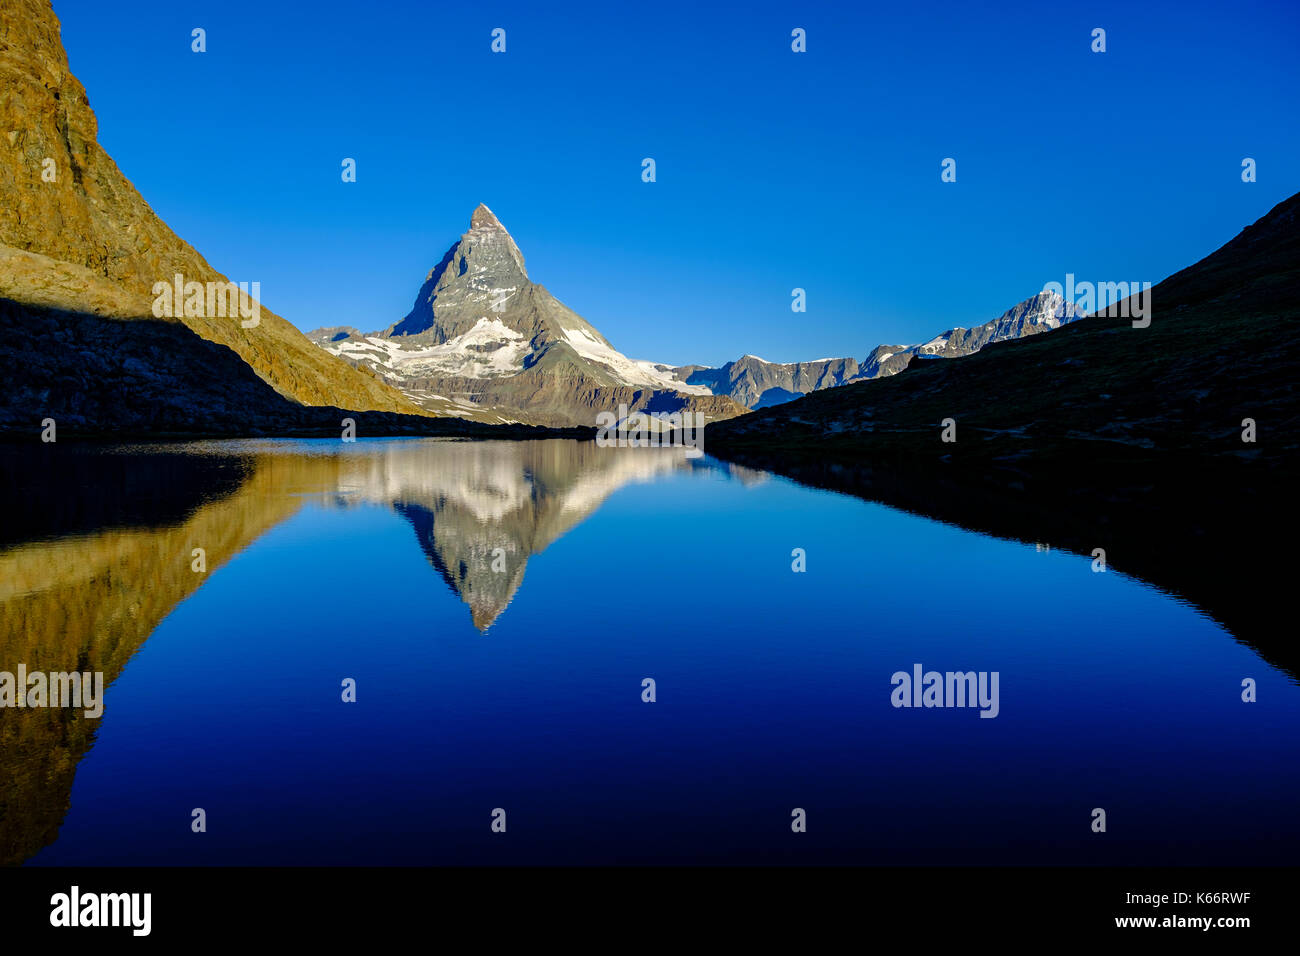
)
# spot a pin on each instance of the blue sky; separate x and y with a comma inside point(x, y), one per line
point(775, 170)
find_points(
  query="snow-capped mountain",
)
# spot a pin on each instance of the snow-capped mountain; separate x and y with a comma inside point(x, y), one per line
point(755, 383)
point(485, 341)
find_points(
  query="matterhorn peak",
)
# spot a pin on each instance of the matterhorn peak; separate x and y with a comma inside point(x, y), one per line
point(482, 331)
point(491, 247)
point(484, 218)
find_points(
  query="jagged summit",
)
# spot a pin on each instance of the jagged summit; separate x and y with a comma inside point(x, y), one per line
point(481, 278)
point(487, 242)
point(485, 218)
point(482, 334)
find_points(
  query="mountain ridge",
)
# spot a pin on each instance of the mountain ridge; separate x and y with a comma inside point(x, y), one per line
point(757, 383)
point(1161, 446)
point(1220, 346)
point(485, 340)
point(91, 217)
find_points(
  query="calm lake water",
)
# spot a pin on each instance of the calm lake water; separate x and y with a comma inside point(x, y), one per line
point(521, 688)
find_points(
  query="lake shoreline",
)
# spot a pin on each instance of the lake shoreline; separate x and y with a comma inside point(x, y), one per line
point(1175, 522)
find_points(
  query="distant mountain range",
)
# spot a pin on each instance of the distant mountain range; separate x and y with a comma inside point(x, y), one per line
point(756, 383)
point(485, 342)
point(1223, 346)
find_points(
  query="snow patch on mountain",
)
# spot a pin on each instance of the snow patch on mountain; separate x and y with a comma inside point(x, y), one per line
point(490, 349)
point(629, 371)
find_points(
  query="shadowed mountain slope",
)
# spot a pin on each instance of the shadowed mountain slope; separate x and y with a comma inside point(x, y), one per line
point(1223, 345)
point(90, 216)
point(1100, 435)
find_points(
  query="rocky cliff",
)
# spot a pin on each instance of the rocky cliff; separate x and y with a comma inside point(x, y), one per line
point(64, 198)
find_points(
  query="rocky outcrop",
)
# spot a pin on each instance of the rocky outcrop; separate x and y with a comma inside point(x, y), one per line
point(64, 198)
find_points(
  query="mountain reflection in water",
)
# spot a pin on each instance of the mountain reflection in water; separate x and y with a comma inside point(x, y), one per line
point(774, 686)
point(110, 535)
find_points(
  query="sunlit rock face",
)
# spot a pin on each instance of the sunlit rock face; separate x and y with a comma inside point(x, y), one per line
point(62, 197)
point(487, 339)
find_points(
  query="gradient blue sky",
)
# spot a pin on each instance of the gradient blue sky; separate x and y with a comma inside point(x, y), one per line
point(775, 170)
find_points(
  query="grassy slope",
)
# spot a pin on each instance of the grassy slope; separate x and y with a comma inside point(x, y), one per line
point(91, 216)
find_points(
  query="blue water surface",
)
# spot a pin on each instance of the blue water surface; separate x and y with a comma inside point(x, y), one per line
point(773, 693)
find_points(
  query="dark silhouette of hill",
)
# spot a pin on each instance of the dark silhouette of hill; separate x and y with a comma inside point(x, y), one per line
point(1100, 435)
point(1223, 345)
